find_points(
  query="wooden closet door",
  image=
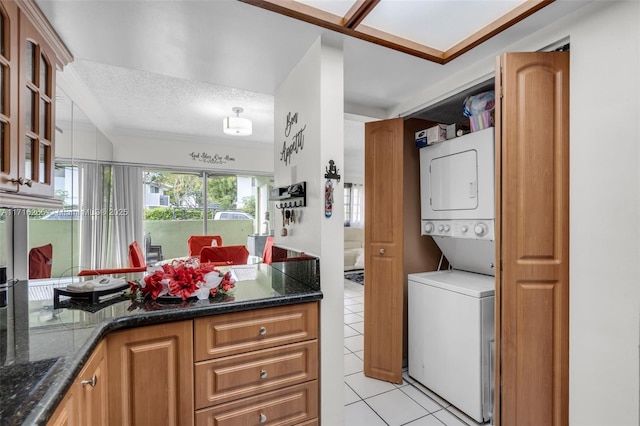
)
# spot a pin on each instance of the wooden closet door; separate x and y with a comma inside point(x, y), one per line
point(383, 239)
point(533, 217)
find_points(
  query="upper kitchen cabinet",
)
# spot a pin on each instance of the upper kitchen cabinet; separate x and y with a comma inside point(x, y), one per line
point(30, 53)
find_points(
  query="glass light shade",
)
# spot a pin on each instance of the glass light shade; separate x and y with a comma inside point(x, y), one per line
point(237, 126)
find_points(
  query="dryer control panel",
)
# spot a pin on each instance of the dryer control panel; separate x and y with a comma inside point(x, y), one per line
point(476, 229)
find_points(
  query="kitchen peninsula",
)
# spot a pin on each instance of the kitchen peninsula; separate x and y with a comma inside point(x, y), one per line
point(253, 353)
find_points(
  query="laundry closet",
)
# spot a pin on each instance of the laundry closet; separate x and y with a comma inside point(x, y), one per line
point(503, 262)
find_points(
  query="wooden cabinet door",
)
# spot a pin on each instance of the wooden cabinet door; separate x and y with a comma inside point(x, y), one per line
point(67, 412)
point(383, 239)
point(532, 321)
point(151, 375)
point(93, 392)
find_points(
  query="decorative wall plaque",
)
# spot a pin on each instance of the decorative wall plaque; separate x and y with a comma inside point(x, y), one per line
point(211, 159)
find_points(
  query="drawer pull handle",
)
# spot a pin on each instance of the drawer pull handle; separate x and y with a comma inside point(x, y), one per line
point(263, 374)
point(263, 331)
point(381, 251)
point(91, 382)
point(263, 418)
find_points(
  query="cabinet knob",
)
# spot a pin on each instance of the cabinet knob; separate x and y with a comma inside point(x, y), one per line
point(382, 251)
point(263, 418)
point(263, 374)
point(262, 331)
point(91, 382)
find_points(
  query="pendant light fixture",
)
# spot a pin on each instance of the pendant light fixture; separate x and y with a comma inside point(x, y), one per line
point(237, 126)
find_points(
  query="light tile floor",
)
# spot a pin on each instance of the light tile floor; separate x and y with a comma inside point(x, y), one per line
point(371, 402)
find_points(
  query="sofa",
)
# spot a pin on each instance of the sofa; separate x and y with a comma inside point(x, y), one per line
point(353, 248)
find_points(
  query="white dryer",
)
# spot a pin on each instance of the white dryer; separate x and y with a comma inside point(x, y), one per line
point(457, 199)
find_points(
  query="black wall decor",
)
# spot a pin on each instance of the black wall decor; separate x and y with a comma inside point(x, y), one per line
point(294, 138)
point(332, 171)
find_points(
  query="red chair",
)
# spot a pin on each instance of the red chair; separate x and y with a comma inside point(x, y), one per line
point(136, 264)
point(267, 255)
point(229, 255)
point(40, 259)
point(197, 242)
point(136, 258)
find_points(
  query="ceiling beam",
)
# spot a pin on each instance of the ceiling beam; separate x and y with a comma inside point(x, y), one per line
point(507, 20)
point(303, 12)
point(359, 11)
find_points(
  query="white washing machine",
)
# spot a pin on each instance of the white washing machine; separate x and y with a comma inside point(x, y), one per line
point(451, 333)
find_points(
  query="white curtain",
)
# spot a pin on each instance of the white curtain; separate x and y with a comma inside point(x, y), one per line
point(111, 203)
point(357, 205)
point(93, 225)
point(127, 212)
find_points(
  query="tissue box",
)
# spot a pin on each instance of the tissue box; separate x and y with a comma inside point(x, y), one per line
point(436, 134)
point(421, 138)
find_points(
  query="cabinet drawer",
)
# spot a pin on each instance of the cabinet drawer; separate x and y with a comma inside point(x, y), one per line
point(239, 376)
point(238, 332)
point(291, 406)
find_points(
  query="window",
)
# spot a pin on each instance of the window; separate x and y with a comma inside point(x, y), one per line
point(353, 204)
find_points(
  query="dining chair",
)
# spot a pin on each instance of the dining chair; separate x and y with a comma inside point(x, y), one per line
point(136, 258)
point(40, 259)
point(136, 264)
point(197, 242)
point(267, 256)
point(230, 255)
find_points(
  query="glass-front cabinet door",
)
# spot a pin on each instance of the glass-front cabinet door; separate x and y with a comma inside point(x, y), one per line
point(36, 120)
point(8, 96)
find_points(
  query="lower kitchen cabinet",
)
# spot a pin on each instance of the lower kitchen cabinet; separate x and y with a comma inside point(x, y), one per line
point(151, 375)
point(257, 367)
point(86, 402)
point(293, 405)
point(243, 368)
point(67, 412)
point(224, 379)
point(92, 389)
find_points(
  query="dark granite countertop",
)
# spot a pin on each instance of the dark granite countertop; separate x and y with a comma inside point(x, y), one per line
point(44, 346)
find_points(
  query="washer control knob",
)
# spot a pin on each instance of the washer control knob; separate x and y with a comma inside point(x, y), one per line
point(463, 229)
point(428, 227)
point(480, 229)
point(441, 228)
point(446, 228)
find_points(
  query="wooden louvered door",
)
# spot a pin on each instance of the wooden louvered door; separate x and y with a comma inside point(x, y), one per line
point(532, 299)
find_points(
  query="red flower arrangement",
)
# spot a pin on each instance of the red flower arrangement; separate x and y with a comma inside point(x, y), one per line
point(182, 279)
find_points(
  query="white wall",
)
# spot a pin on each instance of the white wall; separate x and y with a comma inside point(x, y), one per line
point(314, 90)
point(193, 153)
point(605, 203)
point(605, 215)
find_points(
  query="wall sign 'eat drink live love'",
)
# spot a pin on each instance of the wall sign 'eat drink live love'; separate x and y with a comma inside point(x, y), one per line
point(293, 143)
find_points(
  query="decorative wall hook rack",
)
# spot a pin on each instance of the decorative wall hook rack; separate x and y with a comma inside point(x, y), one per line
point(332, 171)
point(290, 205)
point(291, 196)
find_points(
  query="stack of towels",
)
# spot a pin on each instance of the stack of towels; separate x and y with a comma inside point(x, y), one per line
point(99, 283)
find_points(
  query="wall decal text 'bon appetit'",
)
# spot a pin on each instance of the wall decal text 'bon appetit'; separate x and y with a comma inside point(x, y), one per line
point(297, 140)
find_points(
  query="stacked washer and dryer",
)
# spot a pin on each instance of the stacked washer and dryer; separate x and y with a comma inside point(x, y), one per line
point(451, 312)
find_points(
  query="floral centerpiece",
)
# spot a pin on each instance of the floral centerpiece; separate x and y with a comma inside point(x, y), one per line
point(184, 279)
